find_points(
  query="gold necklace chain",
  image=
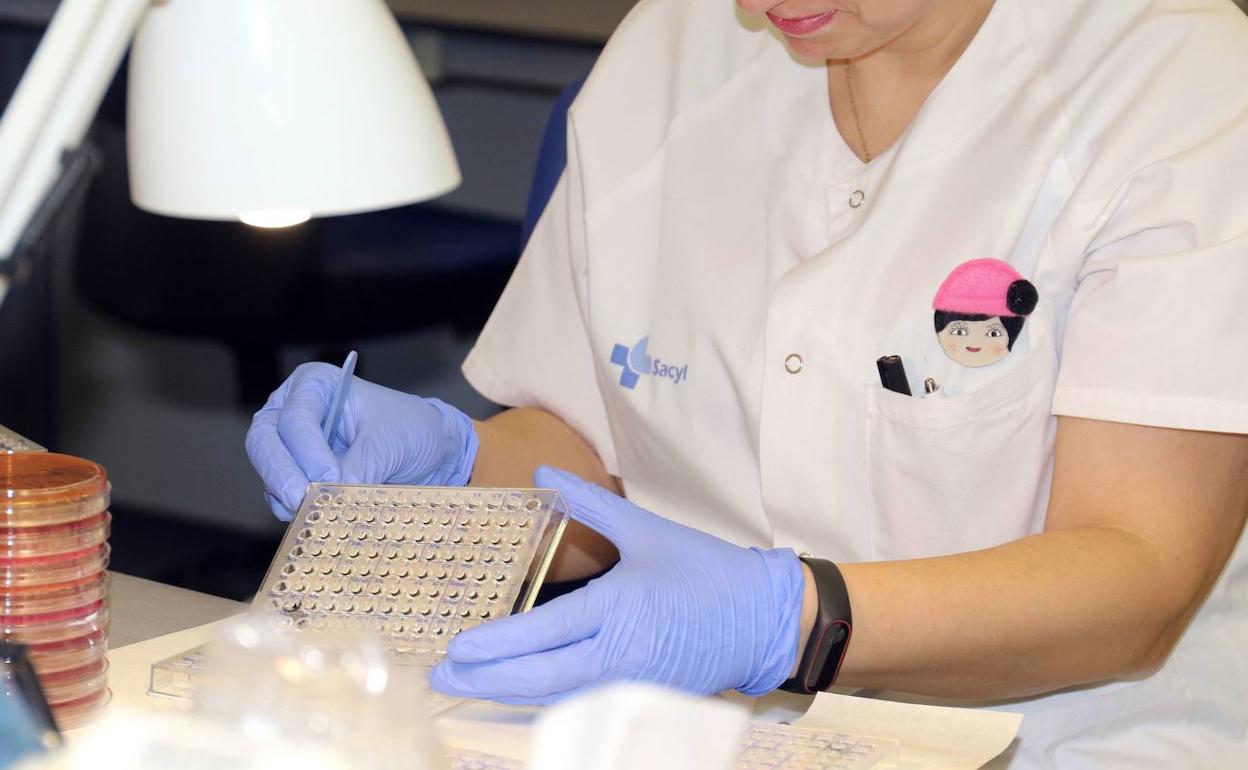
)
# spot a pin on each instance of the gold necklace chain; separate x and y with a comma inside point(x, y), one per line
point(853, 106)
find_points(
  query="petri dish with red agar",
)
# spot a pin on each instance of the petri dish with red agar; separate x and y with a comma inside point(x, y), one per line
point(54, 527)
point(46, 574)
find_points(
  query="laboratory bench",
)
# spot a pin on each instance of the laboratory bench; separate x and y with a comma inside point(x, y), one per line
point(151, 621)
point(143, 609)
point(148, 622)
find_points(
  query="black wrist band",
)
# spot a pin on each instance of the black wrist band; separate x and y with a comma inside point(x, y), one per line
point(829, 638)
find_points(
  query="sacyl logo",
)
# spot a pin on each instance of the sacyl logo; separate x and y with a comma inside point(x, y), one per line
point(636, 362)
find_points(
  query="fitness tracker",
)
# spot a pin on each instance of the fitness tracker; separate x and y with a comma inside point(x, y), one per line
point(829, 638)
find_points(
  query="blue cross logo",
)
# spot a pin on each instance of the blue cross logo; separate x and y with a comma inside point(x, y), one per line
point(633, 363)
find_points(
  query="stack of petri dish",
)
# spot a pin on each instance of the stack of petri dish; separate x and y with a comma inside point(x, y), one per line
point(54, 525)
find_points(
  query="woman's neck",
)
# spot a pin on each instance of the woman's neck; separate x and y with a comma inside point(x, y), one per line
point(874, 97)
point(930, 47)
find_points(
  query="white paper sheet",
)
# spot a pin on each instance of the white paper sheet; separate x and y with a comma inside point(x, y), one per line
point(931, 737)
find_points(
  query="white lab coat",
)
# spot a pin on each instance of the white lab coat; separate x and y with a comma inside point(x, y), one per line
point(711, 208)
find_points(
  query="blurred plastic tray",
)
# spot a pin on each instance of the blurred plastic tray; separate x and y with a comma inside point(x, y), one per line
point(176, 677)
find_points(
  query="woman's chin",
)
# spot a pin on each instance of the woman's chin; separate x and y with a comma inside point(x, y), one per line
point(818, 48)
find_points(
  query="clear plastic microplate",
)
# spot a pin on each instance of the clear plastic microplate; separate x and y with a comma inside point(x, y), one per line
point(14, 442)
point(412, 565)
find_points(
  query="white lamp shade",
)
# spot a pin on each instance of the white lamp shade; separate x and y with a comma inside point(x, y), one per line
point(257, 107)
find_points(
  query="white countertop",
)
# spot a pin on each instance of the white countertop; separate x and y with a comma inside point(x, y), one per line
point(142, 609)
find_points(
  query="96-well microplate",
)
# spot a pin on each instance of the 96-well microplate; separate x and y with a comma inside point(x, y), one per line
point(415, 565)
point(11, 442)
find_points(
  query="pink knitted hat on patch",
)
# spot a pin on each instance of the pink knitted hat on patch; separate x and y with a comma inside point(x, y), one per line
point(987, 287)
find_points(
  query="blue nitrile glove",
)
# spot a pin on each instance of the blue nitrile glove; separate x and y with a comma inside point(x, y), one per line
point(384, 437)
point(682, 608)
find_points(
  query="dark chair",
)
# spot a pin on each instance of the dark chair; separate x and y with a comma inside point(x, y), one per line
point(551, 158)
point(551, 161)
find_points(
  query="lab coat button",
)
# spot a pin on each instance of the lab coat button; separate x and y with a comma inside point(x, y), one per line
point(856, 198)
point(793, 364)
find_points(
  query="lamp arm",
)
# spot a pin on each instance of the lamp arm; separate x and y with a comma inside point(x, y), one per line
point(54, 104)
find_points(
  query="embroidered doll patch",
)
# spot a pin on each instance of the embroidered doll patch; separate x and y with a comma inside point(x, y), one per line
point(980, 310)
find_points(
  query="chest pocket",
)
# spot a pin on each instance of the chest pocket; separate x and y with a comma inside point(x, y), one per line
point(956, 474)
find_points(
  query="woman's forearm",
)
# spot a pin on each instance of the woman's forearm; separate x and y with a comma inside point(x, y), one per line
point(1050, 611)
point(1141, 522)
point(513, 445)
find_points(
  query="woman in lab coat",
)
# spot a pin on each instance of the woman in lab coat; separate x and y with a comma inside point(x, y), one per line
point(1038, 205)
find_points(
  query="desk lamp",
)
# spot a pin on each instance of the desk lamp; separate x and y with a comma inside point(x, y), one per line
point(265, 111)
